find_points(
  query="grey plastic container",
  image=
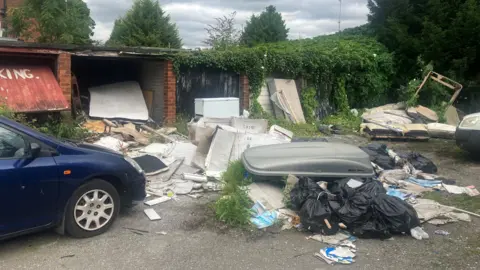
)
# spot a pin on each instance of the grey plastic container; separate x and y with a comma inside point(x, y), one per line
point(313, 159)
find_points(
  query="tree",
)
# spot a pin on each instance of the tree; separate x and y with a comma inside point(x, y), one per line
point(266, 28)
point(145, 24)
point(442, 32)
point(223, 34)
point(52, 21)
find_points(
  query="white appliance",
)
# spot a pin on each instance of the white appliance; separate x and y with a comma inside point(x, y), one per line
point(217, 107)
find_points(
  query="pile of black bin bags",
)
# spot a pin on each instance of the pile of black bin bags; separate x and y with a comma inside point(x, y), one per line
point(378, 155)
point(367, 211)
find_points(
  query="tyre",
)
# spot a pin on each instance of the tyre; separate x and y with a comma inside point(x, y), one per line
point(92, 209)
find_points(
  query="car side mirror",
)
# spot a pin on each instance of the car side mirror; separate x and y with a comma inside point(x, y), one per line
point(35, 149)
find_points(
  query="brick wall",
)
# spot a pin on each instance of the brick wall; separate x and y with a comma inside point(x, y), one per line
point(64, 75)
point(169, 94)
point(244, 93)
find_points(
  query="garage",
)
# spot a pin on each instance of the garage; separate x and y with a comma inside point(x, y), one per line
point(132, 84)
point(28, 83)
point(113, 87)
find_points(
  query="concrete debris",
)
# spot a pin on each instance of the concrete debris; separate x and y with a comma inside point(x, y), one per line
point(183, 188)
point(151, 214)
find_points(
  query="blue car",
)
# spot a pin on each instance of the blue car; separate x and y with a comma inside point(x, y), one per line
point(48, 183)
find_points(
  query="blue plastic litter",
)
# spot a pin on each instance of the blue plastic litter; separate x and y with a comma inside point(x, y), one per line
point(425, 183)
point(396, 193)
point(261, 217)
point(341, 255)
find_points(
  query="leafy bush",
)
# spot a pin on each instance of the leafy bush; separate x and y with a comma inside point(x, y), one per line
point(363, 65)
point(59, 128)
point(233, 207)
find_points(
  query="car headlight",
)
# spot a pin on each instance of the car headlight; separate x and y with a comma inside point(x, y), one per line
point(471, 122)
point(134, 164)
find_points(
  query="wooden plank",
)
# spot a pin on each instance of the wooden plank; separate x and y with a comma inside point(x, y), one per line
point(137, 136)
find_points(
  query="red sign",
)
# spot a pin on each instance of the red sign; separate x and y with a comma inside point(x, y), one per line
point(30, 89)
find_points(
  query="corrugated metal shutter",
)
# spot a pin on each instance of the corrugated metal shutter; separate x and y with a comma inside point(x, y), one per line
point(152, 79)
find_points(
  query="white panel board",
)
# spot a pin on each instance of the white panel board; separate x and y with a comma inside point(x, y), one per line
point(119, 100)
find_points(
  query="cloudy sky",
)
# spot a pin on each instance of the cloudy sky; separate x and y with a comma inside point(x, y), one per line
point(305, 18)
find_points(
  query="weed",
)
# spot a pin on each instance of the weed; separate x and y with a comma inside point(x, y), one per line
point(59, 128)
point(299, 130)
point(181, 123)
point(233, 207)
point(346, 120)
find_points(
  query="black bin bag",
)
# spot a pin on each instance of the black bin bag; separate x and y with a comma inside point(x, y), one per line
point(316, 217)
point(399, 216)
point(304, 189)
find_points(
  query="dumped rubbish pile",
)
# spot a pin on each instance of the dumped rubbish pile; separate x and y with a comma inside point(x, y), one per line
point(395, 121)
point(179, 165)
point(338, 211)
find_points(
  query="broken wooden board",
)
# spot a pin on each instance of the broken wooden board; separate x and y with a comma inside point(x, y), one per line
point(427, 114)
point(96, 126)
point(137, 136)
point(408, 131)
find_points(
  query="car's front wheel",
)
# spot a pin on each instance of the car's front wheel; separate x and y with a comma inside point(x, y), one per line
point(92, 209)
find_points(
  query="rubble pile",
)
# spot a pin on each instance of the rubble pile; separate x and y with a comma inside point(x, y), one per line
point(180, 165)
point(398, 121)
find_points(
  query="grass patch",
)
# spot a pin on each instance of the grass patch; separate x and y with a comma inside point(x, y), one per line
point(299, 130)
point(462, 201)
point(347, 121)
point(181, 123)
point(233, 207)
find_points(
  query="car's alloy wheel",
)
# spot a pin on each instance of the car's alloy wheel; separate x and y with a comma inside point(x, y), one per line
point(93, 210)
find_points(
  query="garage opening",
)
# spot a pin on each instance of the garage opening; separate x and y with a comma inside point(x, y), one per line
point(111, 87)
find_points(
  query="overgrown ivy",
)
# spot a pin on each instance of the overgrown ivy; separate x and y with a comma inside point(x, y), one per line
point(361, 64)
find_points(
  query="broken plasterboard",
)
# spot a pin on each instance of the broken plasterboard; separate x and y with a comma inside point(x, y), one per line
point(119, 100)
point(151, 214)
point(288, 96)
point(158, 200)
point(250, 125)
point(269, 195)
